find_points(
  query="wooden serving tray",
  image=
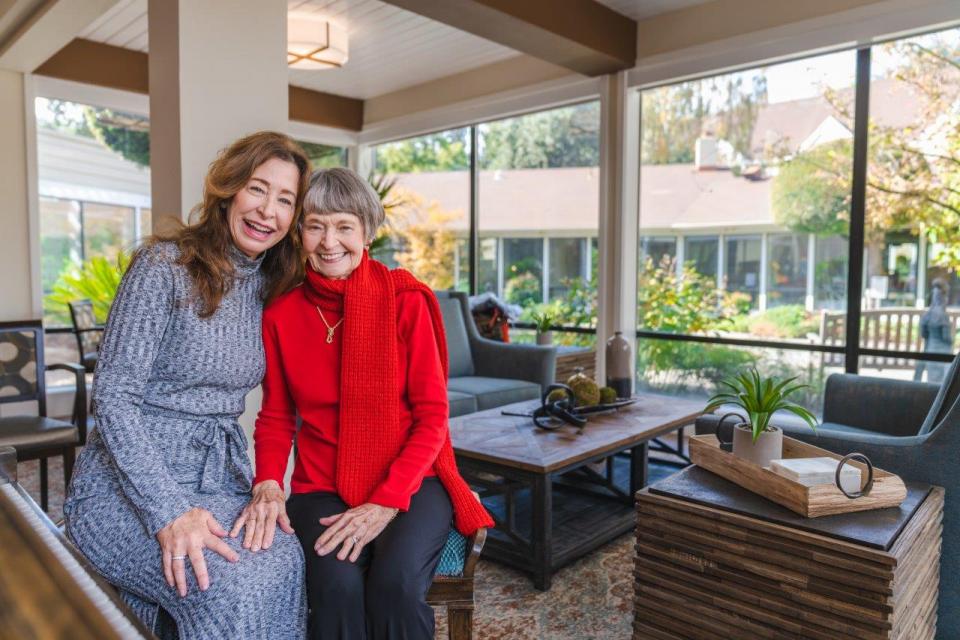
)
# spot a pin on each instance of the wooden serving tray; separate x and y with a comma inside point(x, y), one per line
point(810, 502)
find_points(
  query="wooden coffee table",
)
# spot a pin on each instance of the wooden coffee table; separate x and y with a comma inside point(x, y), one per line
point(557, 495)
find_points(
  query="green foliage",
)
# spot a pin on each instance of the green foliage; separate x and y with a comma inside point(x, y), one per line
point(567, 137)
point(323, 156)
point(446, 151)
point(126, 134)
point(675, 116)
point(760, 398)
point(808, 194)
point(545, 318)
point(522, 289)
point(788, 321)
point(684, 303)
point(97, 279)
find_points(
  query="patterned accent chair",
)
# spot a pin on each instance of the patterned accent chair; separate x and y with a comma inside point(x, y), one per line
point(909, 428)
point(22, 380)
point(453, 582)
point(87, 331)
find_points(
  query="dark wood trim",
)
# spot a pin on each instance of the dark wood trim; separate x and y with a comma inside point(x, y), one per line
point(99, 64)
point(581, 35)
point(325, 109)
point(105, 65)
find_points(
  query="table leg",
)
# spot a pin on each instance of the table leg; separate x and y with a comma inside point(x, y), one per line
point(638, 468)
point(542, 530)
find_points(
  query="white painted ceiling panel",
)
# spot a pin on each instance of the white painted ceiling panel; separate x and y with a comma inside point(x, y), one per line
point(390, 48)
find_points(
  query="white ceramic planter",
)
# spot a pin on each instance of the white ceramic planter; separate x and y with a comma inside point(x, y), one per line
point(545, 338)
point(769, 446)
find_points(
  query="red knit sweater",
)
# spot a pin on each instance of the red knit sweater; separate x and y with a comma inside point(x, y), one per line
point(384, 441)
point(303, 374)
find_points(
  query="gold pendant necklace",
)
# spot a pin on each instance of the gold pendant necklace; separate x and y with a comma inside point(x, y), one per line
point(330, 329)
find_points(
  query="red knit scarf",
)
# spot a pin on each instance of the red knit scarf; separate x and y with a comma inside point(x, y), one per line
point(370, 437)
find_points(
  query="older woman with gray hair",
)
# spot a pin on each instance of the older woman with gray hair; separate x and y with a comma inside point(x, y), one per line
point(359, 353)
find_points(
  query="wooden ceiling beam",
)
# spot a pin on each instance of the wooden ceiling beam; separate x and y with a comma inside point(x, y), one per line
point(104, 65)
point(581, 35)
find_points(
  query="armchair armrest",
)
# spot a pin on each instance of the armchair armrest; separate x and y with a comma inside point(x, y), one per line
point(894, 407)
point(492, 359)
point(475, 547)
point(79, 417)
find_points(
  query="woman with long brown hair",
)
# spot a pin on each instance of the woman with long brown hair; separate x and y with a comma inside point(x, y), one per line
point(166, 465)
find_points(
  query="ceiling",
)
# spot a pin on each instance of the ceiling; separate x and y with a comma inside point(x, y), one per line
point(390, 48)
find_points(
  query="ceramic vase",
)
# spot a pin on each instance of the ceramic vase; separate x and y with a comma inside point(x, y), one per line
point(769, 446)
point(619, 363)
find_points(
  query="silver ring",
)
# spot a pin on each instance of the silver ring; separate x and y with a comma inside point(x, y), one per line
point(178, 558)
point(356, 539)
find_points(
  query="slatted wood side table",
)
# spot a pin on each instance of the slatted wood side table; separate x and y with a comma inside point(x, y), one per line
point(716, 561)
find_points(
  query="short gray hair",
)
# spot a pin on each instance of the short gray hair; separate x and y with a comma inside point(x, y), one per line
point(341, 190)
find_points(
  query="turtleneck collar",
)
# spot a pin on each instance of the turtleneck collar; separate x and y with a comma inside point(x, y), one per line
point(243, 264)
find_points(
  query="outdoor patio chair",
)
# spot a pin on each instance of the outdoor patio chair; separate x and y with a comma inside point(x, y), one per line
point(87, 332)
point(911, 429)
point(487, 373)
point(22, 380)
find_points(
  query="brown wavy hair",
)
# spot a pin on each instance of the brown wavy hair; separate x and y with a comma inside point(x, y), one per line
point(205, 245)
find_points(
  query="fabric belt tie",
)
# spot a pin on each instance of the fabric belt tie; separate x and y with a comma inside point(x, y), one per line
point(226, 445)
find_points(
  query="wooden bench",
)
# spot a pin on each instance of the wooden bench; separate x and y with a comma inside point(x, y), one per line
point(455, 592)
point(889, 328)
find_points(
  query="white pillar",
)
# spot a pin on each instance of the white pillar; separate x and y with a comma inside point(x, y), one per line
point(218, 71)
point(764, 271)
point(923, 262)
point(19, 244)
point(809, 299)
point(619, 213)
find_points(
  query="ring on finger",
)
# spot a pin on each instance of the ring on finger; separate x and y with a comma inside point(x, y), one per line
point(356, 539)
point(178, 557)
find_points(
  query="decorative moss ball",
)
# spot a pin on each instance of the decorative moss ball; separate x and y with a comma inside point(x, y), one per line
point(585, 390)
point(607, 395)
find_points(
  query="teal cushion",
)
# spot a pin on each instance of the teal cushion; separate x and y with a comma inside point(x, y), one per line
point(460, 403)
point(458, 345)
point(453, 556)
point(495, 392)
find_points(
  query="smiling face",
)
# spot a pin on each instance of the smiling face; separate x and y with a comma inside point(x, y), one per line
point(334, 243)
point(260, 213)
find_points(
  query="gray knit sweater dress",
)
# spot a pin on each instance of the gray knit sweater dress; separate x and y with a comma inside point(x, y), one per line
point(168, 388)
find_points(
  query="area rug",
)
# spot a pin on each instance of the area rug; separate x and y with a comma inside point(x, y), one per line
point(588, 600)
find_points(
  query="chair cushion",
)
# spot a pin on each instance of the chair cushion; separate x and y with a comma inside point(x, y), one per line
point(946, 398)
point(495, 392)
point(458, 345)
point(461, 403)
point(836, 430)
point(453, 555)
point(32, 433)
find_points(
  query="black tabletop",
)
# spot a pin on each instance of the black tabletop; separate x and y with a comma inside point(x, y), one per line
point(877, 528)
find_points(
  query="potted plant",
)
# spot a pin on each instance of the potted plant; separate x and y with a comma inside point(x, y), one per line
point(757, 440)
point(543, 321)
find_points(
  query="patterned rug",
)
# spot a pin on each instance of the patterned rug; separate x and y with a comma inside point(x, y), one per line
point(590, 599)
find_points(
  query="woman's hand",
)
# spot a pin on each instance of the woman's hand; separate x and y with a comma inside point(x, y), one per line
point(354, 528)
point(185, 538)
point(267, 509)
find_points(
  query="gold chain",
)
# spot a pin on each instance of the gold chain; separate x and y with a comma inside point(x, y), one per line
point(330, 329)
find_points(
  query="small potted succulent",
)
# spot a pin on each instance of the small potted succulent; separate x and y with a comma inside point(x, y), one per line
point(757, 440)
point(543, 321)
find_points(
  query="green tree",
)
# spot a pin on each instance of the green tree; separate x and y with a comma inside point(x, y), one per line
point(567, 137)
point(127, 134)
point(808, 194)
point(446, 151)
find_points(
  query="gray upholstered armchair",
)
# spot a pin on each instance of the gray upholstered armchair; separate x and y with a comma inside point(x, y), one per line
point(909, 428)
point(485, 373)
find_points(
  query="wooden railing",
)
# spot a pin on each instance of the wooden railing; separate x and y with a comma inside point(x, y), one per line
point(889, 328)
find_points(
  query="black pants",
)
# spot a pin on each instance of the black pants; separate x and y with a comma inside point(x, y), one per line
point(383, 595)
